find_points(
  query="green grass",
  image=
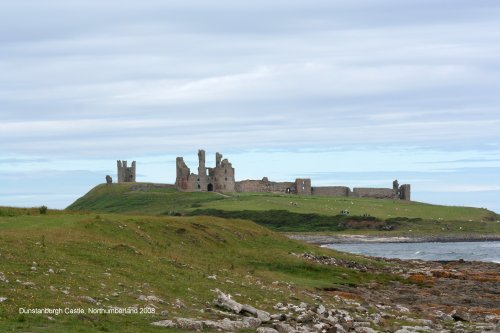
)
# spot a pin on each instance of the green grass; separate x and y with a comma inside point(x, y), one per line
point(292, 213)
point(115, 258)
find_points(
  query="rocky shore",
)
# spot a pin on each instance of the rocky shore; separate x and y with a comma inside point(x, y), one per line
point(345, 239)
point(452, 297)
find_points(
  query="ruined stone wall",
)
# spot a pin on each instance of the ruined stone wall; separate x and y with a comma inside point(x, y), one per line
point(263, 185)
point(182, 175)
point(404, 192)
point(220, 178)
point(125, 174)
point(223, 175)
point(376, 193)
point(334, 191)
point(303, 186)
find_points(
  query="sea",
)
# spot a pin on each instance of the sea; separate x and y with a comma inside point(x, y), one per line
point(477, 251)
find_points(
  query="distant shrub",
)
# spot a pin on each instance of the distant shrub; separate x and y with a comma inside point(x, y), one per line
point(43, 209)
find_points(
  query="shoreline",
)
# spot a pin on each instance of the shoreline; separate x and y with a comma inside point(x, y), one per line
point(353, 239)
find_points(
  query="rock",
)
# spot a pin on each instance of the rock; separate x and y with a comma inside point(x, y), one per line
point(164, 323)
point(320, 327)
point(487, 327)
point(278, 306)
point(262, 315)
point(283, 328)
point(365, 330)
point(151, 298)
point(3, 299)
point(492, 319)
point(212, 277)
point(3, 278)
point(401, 308)
point(340, 328)
point(164, 313)
point(109, 180)
point(224, 301)
point(232, 325)
point(361, 324)
point(266, 330)
point(179, 304)
point(460, 315)
point(320, 309)
point(279, 316)
point(51, 271)
point(189, 324)
point(88, 299)
point(252, 322)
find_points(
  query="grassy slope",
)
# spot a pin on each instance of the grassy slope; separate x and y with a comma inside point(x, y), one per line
point(436, 219)
point(116, 258)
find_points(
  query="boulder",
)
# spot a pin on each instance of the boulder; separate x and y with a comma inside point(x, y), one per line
point(150, 298)
point(189, 324)
point(224, 301)
point(88, 299)
point(232, 325)
point(365, 330)
point(262, 315)
point(164, 323)
point(266, 330)
point(283, 328)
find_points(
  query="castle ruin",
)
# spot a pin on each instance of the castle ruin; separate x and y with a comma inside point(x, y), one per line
point(125, 174)
point(221, 179)
point(217, 179)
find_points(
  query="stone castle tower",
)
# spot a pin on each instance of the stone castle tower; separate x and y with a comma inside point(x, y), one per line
point(218, 179)
point(125, 174)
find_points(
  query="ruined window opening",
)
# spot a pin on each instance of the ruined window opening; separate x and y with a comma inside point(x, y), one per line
point(198, 179)
point(226, 178)
point(225, 171)
point(210, 188)
point(199, 186)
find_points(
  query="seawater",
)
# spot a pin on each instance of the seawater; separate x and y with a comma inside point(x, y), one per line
point(477, 251)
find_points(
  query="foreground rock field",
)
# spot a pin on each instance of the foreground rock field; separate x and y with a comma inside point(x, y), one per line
point(444, 297)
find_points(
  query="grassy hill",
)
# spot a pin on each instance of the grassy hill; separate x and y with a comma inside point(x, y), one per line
point(291, 213)
point(69, 260)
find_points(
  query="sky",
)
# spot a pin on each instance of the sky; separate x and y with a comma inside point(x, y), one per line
point(349, 92)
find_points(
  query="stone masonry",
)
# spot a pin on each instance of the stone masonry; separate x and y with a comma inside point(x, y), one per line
point(125, 174)
point(221, 179)
point(218, 179)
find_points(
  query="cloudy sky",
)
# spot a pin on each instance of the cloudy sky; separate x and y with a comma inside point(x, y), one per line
point(347, 92)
